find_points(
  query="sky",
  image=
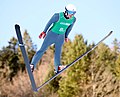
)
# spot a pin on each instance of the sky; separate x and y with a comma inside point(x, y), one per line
point(94, 18)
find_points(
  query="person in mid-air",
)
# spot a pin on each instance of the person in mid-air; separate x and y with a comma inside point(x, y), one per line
point(61, 25)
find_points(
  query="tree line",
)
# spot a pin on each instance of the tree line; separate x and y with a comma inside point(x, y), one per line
point(92, 76)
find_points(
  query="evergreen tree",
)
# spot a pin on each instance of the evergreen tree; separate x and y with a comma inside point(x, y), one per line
point(117, 67)
point(9, 60)
point(116, 46)
point(101, 57)
point(116, 53)
point(102, 62)
point(4, 67)
point(76, 75)
point(30, 49)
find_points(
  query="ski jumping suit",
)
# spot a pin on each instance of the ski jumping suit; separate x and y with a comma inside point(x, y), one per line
point(56, 34)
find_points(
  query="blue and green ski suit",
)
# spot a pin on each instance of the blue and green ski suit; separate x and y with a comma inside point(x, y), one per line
point(55, 34)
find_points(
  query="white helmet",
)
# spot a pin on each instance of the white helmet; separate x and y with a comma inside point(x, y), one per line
point(70, 9)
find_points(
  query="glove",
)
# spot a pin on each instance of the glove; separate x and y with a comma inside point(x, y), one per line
point(42, 35)
point(66, 39)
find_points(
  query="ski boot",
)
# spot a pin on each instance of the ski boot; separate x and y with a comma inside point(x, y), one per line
point(59, 68)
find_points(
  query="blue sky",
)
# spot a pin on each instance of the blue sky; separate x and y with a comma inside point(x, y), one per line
point(95, 18)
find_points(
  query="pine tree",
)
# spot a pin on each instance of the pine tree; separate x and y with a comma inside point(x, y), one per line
point(102, 62)
point(9, 59)
point(70, 85)
point(117, 67)
point(116, 46)
point(30, 49)
point(116, 53)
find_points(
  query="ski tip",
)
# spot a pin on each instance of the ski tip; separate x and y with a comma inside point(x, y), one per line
point(17, 26)
point(110, 32)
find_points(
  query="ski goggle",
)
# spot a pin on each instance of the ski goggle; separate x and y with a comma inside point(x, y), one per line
point(71, 12)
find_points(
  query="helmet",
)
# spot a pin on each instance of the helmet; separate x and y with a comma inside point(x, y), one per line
point(70, 9)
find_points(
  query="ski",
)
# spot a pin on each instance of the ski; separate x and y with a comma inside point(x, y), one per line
point(76, 60)
point(26, 60)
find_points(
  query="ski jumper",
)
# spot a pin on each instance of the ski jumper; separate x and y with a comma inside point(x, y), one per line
point(56, 34)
